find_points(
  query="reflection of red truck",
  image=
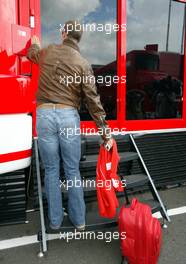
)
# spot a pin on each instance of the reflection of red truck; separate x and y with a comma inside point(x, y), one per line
point(172, 63)
point(146, 66)
point(143, 68)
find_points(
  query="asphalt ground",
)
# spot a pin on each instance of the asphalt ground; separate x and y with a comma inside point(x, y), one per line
point(97, 251)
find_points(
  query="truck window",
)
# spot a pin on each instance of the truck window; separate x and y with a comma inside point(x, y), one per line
point(147, 62)
point(154, 60)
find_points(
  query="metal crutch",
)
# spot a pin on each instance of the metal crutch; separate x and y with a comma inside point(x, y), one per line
point(43, 243)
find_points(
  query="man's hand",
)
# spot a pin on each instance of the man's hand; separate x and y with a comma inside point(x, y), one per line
point(35, 40)
point(108, 144)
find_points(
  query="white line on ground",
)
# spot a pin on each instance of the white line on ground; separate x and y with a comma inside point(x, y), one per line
point(17, 242)
point(172, 212)
point(27, 240)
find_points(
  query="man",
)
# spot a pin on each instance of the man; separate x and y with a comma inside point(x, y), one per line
point(57, 113)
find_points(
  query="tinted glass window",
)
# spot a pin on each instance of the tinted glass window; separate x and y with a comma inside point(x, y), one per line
point(154, 65)
point(147, 62)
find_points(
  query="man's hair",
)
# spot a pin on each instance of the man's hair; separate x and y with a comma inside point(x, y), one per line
point(74, 30)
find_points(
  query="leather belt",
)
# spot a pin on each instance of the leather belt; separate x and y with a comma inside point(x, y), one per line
point(53, 106)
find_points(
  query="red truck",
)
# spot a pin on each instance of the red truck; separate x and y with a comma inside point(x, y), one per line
point(19, 20)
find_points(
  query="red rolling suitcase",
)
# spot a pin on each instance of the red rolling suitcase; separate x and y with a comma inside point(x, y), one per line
point(142, 241)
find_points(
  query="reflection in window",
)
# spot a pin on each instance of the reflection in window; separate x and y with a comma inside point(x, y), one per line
point(98, 47)
point(154, 76)
point(147, 62)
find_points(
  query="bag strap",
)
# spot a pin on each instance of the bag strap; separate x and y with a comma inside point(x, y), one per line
point(134, 203)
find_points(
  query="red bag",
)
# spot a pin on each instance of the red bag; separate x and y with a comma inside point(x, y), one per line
point(106, 171)
point(140, 234)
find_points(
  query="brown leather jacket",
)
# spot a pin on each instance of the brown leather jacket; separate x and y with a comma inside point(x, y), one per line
point(59, 63)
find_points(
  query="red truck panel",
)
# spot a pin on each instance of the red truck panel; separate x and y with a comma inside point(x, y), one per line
point(7, 18)
point(17, 95)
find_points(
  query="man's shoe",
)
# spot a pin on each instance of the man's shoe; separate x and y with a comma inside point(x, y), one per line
point(54, 227)
point(80, 227)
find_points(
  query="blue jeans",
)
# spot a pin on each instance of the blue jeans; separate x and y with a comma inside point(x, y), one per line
point(57, 138)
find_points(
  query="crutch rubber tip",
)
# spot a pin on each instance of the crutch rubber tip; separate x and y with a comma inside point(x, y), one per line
point(40, 254)
point(164, 226)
